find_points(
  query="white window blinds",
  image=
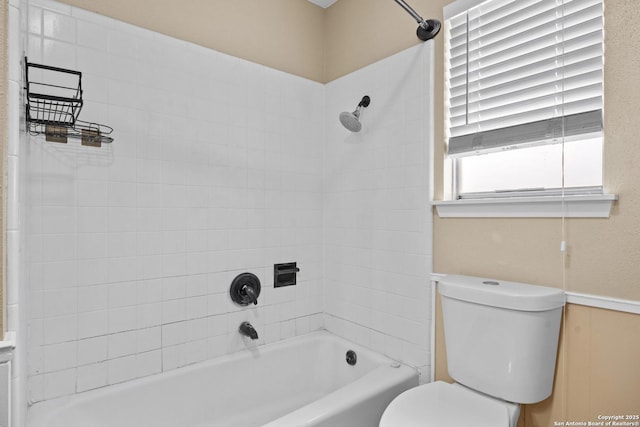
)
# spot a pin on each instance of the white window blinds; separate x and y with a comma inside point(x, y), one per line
point(523, 72)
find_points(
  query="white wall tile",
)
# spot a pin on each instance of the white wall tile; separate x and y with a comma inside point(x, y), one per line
point(58, 219)
point(377, 240)
point(91, 245)
point(122, 319)
point(58, 275)
point(59, 247)
point(91, 272)
point(121, 369)
point(92, 350)
point(60, 383)
point(59, 26)
point(60, 302)
point(122, 294)
point(58, 357)
point(174, 334)
point(34, 24)
point(149, 315)
point(91, 35)
point(148, 339)
point(146, 235)
point(122, 269)
point(121, 344)
point(59, 54)
point(149, 363)
point(93, 324)
point(90, 220)
point(173, 311)
point(92, 376)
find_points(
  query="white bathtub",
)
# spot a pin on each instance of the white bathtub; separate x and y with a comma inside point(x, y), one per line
point(300, 382)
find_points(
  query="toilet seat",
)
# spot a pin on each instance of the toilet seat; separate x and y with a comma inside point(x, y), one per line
point(440, 404)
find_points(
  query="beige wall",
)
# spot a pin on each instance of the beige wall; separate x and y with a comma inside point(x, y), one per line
point(282, 34)
point(597, 370)
point(603, 254)
point(360, 32)
point(289, 35)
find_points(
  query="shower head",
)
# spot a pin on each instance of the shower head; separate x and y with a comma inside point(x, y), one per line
point(351, 121)
point(428, 29)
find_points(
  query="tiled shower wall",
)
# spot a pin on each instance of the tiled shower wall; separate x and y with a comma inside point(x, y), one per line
point(378, 218)
point(216, 169)
point(16, 313)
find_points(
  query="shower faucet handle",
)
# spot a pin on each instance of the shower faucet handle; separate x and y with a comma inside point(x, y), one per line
point(250, 293)
point(245, 289)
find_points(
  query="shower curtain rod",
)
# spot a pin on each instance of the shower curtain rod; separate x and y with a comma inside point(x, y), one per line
point(427, 29)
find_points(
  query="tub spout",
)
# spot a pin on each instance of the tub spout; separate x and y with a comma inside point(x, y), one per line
point(248, 330)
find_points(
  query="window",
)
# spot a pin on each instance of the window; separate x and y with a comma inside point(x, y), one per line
point(524, 82)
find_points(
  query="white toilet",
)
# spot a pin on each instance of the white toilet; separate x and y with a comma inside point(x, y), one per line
point(501, 340)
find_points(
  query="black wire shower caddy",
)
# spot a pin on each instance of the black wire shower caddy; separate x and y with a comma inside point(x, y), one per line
point(54, 104)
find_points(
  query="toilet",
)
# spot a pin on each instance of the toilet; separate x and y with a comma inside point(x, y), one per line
point(501, 340)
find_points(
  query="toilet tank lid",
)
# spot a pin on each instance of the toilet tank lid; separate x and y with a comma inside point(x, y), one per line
point(499, 293)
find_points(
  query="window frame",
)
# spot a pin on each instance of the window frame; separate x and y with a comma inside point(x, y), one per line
point(570, 202)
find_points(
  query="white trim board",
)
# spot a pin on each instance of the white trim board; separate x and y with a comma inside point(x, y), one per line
point(608, 303)
point(575, 206)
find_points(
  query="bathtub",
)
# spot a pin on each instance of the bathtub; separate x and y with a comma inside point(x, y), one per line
point(300, 382)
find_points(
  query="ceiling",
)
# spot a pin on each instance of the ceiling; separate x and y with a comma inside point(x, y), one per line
point(323, 3)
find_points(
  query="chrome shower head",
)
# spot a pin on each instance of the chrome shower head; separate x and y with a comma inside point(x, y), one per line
point(351, 121)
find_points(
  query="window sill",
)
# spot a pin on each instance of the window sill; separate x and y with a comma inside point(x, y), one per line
point(574, 206)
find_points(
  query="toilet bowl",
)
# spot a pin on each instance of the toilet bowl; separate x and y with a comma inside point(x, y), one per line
point(441, 404)
point(502, 341)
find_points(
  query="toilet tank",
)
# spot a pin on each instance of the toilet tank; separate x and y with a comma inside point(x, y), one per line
point(501, 337)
